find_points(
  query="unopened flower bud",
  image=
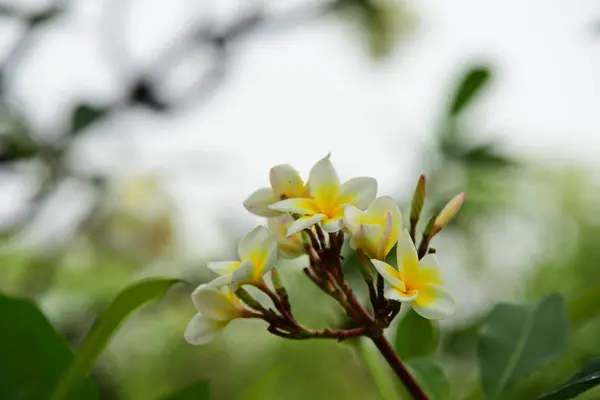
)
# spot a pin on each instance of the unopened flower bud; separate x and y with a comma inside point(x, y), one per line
point(418, 200)
point(247, 298)
point(449, 212)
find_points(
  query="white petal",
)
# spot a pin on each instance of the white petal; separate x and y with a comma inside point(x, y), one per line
point(366, 239)
point(395, 294)
point(286, 182)
point(211, 303)
point(303, 223)
point(202, 330)
point(258, 203)
point(380, 207)
point(253, 240)
point(296, 206)
point(323, 181)
point(223, 267)
point(279, 225)
point(289, 247)
point(434, 302)
point(359, 192)
point(389, 274)
point(269, 248)
point(408, 261)
point(386, 239)
point(352, 218)
point(429, 270)
point(219, 281)
point(243, 275)
point(333, 225)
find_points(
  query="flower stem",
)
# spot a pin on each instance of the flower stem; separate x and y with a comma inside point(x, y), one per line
point(385, 348)
point(383, 382)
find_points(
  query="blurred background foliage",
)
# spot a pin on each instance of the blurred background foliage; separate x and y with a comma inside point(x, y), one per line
point(128, 231)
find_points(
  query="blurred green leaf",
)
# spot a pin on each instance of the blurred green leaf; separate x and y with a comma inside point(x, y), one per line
point(381, 22)
point(196, 391)
point(485, 156)
point(44, 16)
point(15, 136)
point(462, 340)
point(124, 303)
point(431, 377)
point(582, 381)
point(83, 116)
point(33, 355)
point(584, 307)
point(416, 336)
point(264, 387)
point(515, 340)
point(469, 87)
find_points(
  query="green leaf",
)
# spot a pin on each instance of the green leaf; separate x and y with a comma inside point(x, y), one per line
point(265, 386)
point(33, 355)
point(44, 16)
point(196, 391)
point(486, 156)
point(515, 340)
point(470, 86)
point(416, 336)
point(431, 377)
point(83, 116)
point(584, 307)
point(126, 302)
point(581, 382)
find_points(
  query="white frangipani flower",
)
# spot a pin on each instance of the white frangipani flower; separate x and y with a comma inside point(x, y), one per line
point(217, 305)
point(374, 231)
point(417, 282)
point(258, 255)
point(328, 198)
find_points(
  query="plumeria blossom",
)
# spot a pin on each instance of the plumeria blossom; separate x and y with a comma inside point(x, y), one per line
point(327, 198)
point(374, 231)
point(286, 183)
point(217, 305)
point(258, 255)
point(418, 282)
point(289, 247)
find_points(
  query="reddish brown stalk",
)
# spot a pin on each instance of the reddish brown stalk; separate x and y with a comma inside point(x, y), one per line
point(386, 349)
point(277, 302)
point(326, 272)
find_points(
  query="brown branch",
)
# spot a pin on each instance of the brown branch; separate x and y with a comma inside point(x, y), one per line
point(424, 246)
point(321, 236)
point(380, 285)
point(368, 277)
point(313, 240)
point(386, 349)
point(262, 286)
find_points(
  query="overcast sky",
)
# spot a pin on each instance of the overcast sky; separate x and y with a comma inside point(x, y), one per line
point(291, 97)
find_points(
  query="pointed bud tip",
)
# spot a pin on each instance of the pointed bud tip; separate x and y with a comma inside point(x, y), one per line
point(418, 199)
point(449, 211)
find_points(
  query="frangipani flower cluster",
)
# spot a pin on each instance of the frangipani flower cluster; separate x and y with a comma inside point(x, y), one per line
point(314, 219)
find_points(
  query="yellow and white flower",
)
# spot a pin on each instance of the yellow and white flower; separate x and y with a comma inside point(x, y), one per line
point(289, 247)
point(258, 255)
point(286, 183)
point(328, 198)
point(217, 305)
point(374, 231)
point(418, 282)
